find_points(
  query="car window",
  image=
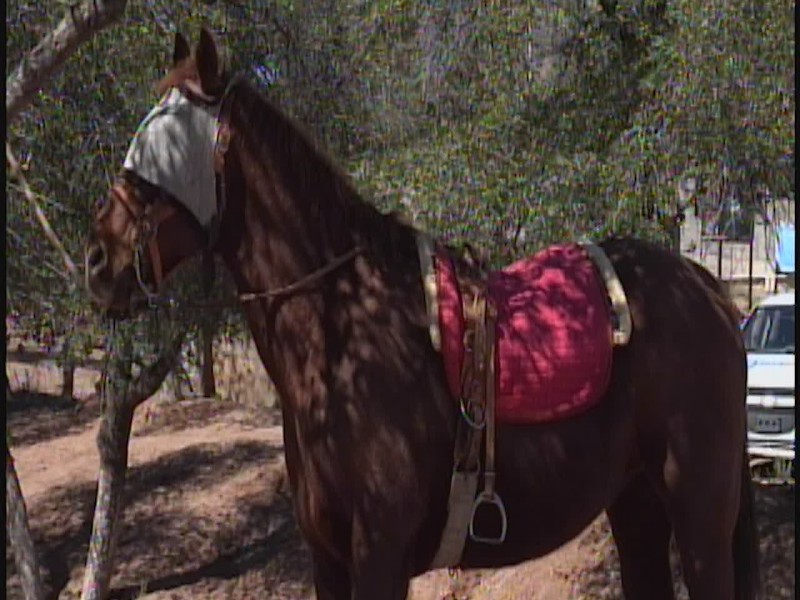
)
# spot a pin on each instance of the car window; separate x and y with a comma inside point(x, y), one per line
point(770, 329)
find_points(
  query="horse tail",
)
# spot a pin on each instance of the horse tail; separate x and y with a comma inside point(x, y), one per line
point(747, 576)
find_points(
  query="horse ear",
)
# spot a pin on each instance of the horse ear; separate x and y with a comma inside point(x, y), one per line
point(207, 59)
point(181, 51)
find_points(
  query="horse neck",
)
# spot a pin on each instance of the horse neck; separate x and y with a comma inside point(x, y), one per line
point(288, 225)
point(278, 230)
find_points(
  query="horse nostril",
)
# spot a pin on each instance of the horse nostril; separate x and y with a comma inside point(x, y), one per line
point(96, 258)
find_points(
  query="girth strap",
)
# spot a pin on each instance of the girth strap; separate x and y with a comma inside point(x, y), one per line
point(469, 435)
point(488, 498)
point(477, 399)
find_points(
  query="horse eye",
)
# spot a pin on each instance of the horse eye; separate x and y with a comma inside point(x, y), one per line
point(100, 203)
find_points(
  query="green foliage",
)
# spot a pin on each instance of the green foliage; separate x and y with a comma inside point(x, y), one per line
point(71, 143)
point(511, 125)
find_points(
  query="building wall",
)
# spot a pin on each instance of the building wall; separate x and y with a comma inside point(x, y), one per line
point(734, 266)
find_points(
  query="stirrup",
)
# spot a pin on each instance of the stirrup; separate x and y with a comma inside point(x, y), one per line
point(478, 423)
point(494, 500)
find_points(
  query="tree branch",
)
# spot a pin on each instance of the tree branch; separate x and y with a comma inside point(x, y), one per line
point(112, 444)
point(78, 25)
point(51, 236)
point(151, 378)
point(19, 533)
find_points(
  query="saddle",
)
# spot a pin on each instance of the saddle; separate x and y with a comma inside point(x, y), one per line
point(526, 344)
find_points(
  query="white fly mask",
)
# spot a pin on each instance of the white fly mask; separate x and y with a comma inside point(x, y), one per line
point(174, 150)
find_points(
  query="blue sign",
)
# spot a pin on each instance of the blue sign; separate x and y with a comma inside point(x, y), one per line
point(784, 254)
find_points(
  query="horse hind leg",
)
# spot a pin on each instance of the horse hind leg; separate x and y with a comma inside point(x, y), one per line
point(717, 541)
point(702, 475)
point(642, 533)
point(746, 549)
point(705, 548)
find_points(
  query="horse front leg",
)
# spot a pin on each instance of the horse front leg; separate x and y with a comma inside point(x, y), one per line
point(375, 573)
point(331, 577)
point(381, 575)
point(380, 567)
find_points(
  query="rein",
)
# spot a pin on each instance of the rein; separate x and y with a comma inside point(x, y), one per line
point(156, 301)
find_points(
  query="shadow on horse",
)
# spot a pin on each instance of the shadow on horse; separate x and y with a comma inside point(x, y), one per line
point(332, 291)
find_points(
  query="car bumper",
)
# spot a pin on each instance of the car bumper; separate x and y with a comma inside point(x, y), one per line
point(771, 446)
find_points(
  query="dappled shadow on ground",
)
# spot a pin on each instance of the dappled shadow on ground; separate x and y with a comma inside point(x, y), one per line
point(253, 558)
point(776, 527)
point(33, 417)
point(27, 355)
point(169, 539)
point(775, 514)
point(185, 414)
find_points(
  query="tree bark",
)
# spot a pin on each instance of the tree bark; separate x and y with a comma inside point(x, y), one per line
point(207, 330)
point(68, 380)
point(78, 25)
point(19, 534)
point(49, 233)
point(112, 444)
point(208, 382)
point(67, 369)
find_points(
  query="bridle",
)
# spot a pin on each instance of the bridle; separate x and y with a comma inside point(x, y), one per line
point(147, 229)
point(147, 220)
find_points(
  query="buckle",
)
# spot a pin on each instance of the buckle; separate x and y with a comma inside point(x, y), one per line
point(468, 406)
point(156, 301)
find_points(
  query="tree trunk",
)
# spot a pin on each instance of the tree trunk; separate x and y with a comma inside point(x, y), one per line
point(112, 444)
point(67, 370)
point(78, 25)
point(207, 329)
point(208, 382)
point(675, 238)
point(68, 386)
point(19, 535)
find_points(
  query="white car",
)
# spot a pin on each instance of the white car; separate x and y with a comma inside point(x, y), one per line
point(769, 340)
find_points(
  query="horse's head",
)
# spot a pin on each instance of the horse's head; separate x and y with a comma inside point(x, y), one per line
point(161, 207)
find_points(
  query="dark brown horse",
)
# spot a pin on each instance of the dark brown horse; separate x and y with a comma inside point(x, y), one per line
point(369, 421)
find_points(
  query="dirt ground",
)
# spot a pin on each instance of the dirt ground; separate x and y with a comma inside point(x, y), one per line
point(209, 514)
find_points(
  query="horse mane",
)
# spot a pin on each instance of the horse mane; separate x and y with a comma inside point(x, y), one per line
point(310, 171)
point(307, 169)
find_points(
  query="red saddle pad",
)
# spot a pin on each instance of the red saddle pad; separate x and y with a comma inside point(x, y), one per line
point(553, 334)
